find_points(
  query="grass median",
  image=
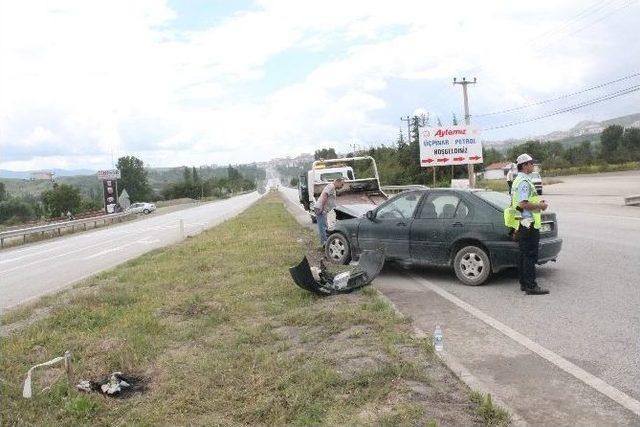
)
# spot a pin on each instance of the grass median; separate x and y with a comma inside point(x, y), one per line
point(222, 336)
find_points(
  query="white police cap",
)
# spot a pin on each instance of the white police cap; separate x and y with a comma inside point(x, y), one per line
point(524, 158)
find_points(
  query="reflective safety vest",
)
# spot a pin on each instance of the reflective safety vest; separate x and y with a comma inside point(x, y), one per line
point(512, 216)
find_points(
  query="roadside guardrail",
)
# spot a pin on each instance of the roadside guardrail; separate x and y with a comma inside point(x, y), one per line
point(59, 226)
point(632, 200)
point(395, 189)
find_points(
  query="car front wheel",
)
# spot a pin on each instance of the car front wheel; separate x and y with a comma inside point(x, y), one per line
point(146, 211)
point(472, 265)
point(337, 249)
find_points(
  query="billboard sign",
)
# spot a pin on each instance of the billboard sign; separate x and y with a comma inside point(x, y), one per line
point(109, 174)
point(453, 145)
point(110, 191)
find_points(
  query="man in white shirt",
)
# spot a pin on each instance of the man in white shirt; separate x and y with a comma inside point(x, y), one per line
point(326, 203)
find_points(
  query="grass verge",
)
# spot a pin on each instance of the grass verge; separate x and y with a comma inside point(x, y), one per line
point(222, 336)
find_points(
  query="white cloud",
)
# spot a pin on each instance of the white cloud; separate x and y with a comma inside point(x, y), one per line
point(117, 76)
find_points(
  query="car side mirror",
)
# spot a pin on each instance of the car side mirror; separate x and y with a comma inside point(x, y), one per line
point(371, 215)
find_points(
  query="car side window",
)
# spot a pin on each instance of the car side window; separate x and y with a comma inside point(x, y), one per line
point(441, 206)
point(401, 207)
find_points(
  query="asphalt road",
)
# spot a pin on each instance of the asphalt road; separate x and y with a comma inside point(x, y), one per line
point(591, 318)
point(33, 270)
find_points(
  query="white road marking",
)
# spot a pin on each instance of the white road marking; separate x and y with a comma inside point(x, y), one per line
point(107, 251)
point(117, 248)
point(592, 381)
point(40, 261)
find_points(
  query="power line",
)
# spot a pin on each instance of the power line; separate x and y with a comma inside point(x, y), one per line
point(583, 14)
point(607, 97)
point(606, 15)
point(568, 95)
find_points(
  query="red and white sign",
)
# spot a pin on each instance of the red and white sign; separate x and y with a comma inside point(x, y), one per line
point(454, 145)
point(109, 174)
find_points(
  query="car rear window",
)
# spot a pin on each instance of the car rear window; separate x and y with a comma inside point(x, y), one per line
point(499, 200)
point(331, 176)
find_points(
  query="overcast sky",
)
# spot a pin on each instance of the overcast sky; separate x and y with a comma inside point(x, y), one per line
point(211, 81)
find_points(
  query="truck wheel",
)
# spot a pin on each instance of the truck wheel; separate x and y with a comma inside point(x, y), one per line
point(472, 265)
point(337, 249)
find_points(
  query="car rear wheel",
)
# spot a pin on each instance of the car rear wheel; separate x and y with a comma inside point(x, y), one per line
point(337, 249)
point(472, 265)
point(146, 211)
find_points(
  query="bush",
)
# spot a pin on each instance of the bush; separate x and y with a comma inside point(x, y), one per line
point(16, 210)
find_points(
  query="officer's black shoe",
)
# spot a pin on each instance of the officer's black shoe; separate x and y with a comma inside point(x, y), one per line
point(523, 286)
point(536, 290)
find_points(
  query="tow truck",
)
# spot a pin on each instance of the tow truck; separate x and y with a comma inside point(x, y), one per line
point(354, 199)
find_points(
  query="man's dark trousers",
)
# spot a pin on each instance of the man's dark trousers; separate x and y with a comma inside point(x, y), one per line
point(528, 242)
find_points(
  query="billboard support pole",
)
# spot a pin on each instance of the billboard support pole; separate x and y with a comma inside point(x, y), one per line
point(467, 121)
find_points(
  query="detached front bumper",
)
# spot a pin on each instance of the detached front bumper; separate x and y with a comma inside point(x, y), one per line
point(368, 268)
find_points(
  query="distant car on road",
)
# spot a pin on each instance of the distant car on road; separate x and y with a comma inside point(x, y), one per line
point(460, 228)
point(141, 207)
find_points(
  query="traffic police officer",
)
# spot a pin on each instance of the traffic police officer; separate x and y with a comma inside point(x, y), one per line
point(524, 216)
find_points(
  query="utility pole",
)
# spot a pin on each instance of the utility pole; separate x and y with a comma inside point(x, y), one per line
point(408, 120)
point(467, 121)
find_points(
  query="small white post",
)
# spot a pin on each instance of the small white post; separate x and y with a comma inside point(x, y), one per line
point(181, 229)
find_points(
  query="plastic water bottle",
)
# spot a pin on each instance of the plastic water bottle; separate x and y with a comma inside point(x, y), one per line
point(438, 339)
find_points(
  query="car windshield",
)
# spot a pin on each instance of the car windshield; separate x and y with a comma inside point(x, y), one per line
point(331, 176)
point(499, 200)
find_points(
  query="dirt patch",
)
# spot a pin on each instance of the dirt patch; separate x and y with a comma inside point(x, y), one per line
point(38, 314)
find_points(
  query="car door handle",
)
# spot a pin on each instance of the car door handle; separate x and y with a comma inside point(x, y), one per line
point(457, 224)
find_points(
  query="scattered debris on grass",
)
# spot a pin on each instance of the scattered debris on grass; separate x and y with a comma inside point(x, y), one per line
point(115, 385)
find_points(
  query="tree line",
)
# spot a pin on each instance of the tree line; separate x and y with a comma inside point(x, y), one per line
point(616, 145)
point(52, 203)
point(62, 198)
point(194, 187)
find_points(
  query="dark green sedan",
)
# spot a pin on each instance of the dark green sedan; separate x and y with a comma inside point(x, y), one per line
point(462, 229)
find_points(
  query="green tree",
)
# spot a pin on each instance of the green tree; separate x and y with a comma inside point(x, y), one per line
point(579, 155)
point(533, 148)
point(16, 211)
point(610, 141)
point(3, 192)
point(325, 153)
point(233, 174)
point(631, 141)
point(416, 124)
point(186, 174)
point(454, 120)
point(294, 182)
point(134, 179)
point(401, 143)
point(194, 175)
point(491, 155)
point(62, 198)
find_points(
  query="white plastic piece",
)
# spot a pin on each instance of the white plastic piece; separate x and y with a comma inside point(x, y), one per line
point(27, 389)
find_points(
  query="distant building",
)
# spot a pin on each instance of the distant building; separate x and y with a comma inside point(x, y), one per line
point(497, 170)
point(42, 176)
point(591, 129)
